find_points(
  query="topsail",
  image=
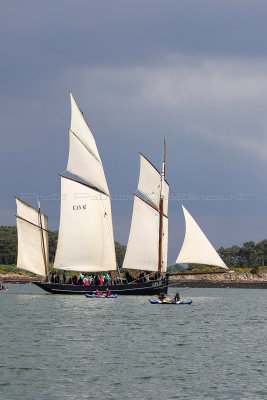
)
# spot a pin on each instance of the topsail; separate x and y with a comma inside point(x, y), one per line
point(84, 160)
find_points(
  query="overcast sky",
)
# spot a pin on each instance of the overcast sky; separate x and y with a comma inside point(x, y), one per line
point(193, 71)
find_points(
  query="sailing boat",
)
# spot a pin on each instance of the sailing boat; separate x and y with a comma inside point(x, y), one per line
point(85, 239)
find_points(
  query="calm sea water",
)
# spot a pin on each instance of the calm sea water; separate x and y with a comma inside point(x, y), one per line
point(70, 347)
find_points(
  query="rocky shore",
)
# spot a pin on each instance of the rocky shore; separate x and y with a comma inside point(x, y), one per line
point(16, 278)
point(226, 280)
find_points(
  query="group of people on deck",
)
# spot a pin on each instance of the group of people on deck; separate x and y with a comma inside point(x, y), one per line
point(94, 280)
point(99, 280)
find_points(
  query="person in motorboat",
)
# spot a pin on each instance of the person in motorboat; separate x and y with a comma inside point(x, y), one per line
point(162, 297)
point(108, 292)
point(177, 297)
point(98, 293)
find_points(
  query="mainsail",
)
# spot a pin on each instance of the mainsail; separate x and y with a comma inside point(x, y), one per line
point(143, 249)
point(85, 240)
point(196, 247)
point(32, 227)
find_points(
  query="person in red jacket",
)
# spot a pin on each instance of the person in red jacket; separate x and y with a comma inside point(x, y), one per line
point(161, 296)
point(108, 293)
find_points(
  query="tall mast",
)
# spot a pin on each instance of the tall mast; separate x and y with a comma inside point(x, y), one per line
point(161, 207)
point(43, 243)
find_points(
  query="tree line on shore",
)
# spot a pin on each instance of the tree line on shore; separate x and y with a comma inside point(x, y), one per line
point(250, 255)
point(9, 246)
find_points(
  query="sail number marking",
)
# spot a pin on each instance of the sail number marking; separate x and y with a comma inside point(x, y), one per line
point(78, 207)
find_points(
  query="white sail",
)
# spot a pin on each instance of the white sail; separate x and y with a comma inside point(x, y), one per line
point(84, 160)
point(196, 247)
point(80, 127)
point(31, 254)
point(83, 164)
point(149, 181)
point(85, 240)
point(143, 244)
point(31, 214)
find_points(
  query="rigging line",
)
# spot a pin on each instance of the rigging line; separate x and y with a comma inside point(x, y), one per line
point(108, 226)
point(45, 259)
point(16, 267)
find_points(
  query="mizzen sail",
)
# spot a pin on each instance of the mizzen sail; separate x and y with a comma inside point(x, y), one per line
point(32, 239)
point(196, 247)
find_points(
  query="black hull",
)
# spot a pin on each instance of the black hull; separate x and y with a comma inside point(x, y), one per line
point(132, 289)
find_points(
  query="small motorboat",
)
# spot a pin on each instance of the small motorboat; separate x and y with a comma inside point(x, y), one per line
point(166, 301)
point(111, 296)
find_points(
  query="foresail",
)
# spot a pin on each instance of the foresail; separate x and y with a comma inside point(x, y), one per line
point(196, 247)
point(84, 160)
point(143, 244)
point(31, 253)
point(85, 240)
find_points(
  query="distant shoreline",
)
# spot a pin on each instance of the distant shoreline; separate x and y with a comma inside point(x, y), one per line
point(237, 281)
point(220, 284)
point(245, 281)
